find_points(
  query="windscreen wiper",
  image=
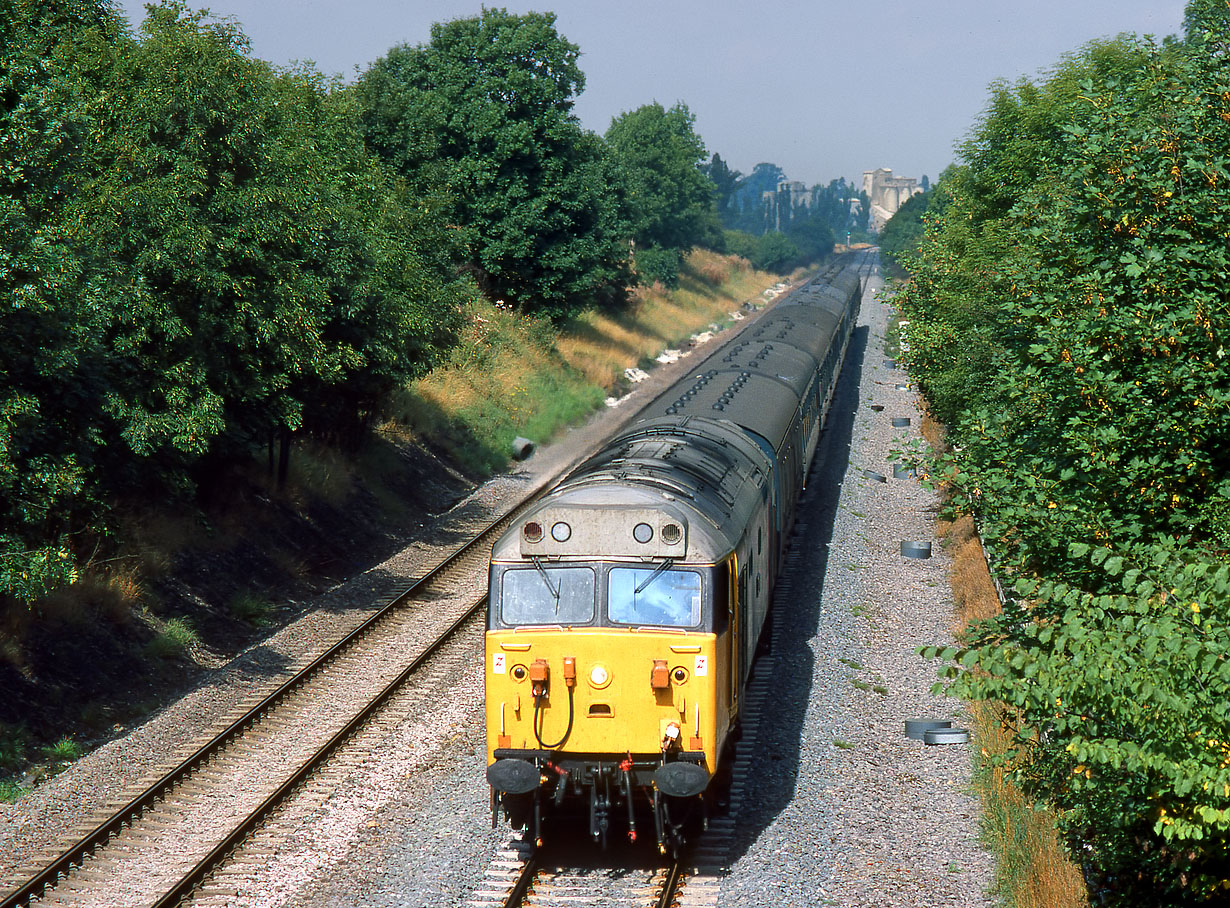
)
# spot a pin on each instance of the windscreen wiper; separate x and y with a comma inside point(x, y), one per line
point(546, 578)
point(665, 566)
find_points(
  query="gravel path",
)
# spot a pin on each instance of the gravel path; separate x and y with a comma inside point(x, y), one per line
point(847, 811)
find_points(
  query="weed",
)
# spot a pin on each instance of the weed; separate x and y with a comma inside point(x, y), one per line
point(65, 750)
point(10, 791)
point(880, 689)
point(850, 663)
point(252, 609)
point(175, 639)
point(844, 745)
point(860, 684)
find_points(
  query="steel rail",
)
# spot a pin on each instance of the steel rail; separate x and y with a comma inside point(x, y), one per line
point(674, 876)
point(525, 880)
point(199, 873)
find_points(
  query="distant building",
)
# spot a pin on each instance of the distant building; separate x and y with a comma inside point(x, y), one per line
point(887, 193)
point(781, 203)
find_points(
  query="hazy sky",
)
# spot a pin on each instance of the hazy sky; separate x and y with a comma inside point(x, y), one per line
point(822, 89)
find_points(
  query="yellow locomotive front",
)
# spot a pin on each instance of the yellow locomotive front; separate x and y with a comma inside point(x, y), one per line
point(605, 688)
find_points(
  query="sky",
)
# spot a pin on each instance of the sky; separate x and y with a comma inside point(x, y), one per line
point(820, 88)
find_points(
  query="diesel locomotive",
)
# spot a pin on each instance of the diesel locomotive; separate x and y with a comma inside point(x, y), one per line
point(626, 605)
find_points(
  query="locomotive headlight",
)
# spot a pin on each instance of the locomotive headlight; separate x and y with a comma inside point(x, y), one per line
point(561, 532)
point(599, 677)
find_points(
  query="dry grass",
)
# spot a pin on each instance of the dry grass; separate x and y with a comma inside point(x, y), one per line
point(601, 346)
point(515, 375)
point(1033, 869)
point(972, 589)
point(934, 433)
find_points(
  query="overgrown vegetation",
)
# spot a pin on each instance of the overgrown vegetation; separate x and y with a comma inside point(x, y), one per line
point(520, 375)
point(1032, 868)
point(902, 236)
point(1066, 320)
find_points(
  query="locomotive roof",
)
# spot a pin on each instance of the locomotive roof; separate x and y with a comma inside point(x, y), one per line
point(705, 474)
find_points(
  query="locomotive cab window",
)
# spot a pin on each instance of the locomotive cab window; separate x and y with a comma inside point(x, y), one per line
point(654, 596)
point(547, 595)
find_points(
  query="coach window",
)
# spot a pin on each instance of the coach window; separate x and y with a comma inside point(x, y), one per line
point(547, 595)
point(655, 596)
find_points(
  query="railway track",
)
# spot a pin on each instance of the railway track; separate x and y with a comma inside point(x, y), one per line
point(518, 877)
point(163, 844)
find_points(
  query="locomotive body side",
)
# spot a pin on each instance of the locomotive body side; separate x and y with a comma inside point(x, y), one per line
point(626, 606)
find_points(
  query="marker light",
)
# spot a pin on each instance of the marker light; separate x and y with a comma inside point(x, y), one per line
point(599, 677)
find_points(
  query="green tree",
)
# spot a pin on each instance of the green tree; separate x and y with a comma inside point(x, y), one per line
point(1081, 246)
point(726, 182)
point(51, 360)
point(811, 235)
point(747, 209)
point(265, 269)
point(901, 236)
point(200, 252)
point(669, 198)
point(480, 119)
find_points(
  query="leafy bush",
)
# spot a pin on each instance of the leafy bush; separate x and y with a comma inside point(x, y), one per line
point(657, 265)
point(1123, 702)
point(1064, 319)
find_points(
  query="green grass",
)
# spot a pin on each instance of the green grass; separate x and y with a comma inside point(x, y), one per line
point(64, 750)
point(10, 792)
point(253, 609)
point(506, 379)
point(513, 375)
point(173, 641)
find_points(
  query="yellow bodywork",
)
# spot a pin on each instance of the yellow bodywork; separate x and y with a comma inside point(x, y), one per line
point(623, 715)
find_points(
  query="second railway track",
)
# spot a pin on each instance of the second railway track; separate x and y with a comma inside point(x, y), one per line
point(158, 846)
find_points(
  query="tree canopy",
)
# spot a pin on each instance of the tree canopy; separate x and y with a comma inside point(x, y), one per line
point(480, 120)
point(668, 195)
point(200, 252)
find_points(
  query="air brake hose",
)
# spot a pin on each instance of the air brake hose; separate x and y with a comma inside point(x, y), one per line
point(538, 722)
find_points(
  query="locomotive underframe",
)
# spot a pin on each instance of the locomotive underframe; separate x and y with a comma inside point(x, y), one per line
point(601, 784)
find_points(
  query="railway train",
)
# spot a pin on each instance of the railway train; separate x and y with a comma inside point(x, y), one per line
point(625, 607)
